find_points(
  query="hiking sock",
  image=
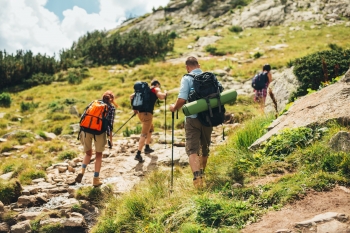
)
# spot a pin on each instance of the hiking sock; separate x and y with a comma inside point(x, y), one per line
point(96, 174)
point(138, 152)
point(147, 146)
point(196, 174)
point(83, 167)
point(201, 171)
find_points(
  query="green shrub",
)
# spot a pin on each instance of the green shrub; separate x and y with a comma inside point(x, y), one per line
point(23, 137)
point(210, 49)
point(38, 79)
point(205, 5)
point(127, 132)
point(8, 168)
point(52, 228)
point(210, 212)
point(235, 29)
point(5, 100)
point(319, 67)
point(288, 140)
point(28, 106)
point(173, 35)
point(67, 155)
point(9, 191)
point(30, 174)
point(257, 55)
point(57, 130)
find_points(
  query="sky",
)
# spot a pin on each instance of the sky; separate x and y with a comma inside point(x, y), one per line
point(48, 26)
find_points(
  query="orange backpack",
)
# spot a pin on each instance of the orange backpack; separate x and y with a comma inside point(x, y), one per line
point(94, 119)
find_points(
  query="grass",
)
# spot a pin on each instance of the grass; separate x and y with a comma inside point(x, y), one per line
point(151, 207)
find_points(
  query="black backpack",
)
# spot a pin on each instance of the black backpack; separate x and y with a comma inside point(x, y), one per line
point(259, 81)
point(142, 97)
point(206, 86)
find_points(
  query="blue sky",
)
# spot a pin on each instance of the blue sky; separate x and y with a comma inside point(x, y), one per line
point(48, 26)
point(57, 7)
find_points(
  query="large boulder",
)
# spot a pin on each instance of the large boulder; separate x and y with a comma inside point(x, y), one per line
point(330, 103)
point(282, 86)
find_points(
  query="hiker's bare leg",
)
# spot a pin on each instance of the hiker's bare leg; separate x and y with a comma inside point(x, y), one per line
point(194, 162)
point(87, 157)
point(203, 162)
point(149, 138)
point(142, 141)
point(98, 161)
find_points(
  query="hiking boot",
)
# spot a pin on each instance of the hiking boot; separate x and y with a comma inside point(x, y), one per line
point(79, 178)
point(139, 158)
point(96, 182)
point(198, 182)
point(148, 150)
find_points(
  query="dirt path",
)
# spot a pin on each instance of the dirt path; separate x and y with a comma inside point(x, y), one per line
point(315, 203)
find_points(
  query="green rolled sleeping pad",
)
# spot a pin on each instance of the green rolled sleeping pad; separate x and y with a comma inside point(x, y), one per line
point(201, 105)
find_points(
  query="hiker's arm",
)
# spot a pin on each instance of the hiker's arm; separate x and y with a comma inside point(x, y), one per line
point(269, 75)
point(179, 103)
point(160, 94)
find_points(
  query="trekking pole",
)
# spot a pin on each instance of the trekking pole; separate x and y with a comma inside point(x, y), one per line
point(172, 150)
point(124, 124)
point(109, 142)
point(165, 121)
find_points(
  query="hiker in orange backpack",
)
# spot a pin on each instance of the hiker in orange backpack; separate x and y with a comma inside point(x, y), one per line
point(95, 125)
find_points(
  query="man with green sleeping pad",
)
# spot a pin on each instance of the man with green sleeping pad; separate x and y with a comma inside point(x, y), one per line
point(198, 136)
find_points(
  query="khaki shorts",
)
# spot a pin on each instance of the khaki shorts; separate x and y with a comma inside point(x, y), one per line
point(86, 140)
point(146, 118)
point(198, 137)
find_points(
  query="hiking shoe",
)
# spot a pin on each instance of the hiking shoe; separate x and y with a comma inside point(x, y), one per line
point(79, 178)
point(148, 150)
point(139, 158)
point(96, 182)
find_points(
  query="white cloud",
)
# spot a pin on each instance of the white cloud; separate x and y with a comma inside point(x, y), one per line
point(28, 25)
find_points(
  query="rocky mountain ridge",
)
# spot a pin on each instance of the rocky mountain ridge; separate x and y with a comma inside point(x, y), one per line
point(182, 16)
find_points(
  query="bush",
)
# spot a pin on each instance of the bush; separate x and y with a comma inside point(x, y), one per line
point(30, 174)
point(67, 155)
point(319, 67)
point(38, 79)
point(5, 100)
point(73, 78)
point(173, 35)
point(127, 132)
point(235, 29)
point(28, 106)
point(9, 191)
point(210, 49)
point(289, 139)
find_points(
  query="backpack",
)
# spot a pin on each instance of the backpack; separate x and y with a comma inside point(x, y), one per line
point(206, 86)
point(259, 81)
point(142, 97)
point(94, 119)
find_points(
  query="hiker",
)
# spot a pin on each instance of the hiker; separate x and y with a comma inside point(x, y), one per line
point(198, 136)
point(146, 118)
point(260, 95)
point(100, 141)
